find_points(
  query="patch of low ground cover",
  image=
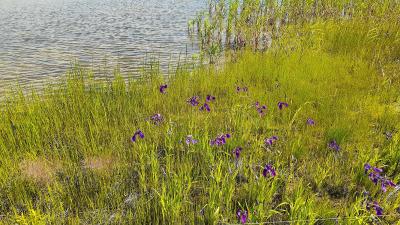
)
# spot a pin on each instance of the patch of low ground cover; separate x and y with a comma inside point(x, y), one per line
point(305, 131)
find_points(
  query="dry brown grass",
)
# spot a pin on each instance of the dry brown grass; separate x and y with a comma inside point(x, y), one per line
point(39, 170)
point(99, 163)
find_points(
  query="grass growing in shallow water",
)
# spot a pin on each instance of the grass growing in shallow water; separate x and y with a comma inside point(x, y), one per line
point(68, 155)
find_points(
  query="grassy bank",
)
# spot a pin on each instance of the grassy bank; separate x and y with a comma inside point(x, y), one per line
point(68, 156)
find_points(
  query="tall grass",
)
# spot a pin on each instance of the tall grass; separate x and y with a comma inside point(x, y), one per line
point(68, 158)
point(257, 24)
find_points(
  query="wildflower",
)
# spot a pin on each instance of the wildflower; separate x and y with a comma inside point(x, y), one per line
point(367, 167)
point(157, 118)
point(269, 169)
point(282, 104)
point(242, 216)
point(137, 133)
point(190, 140)
point(205, 107)
point(310, 122)
point(271, 140)
point(260, 108)
point(220, 140)
point(210, 98)
point(194, 101)
point(375, 176)
point(162, 88)
point(378, 209)
point(237, 152)
point(334, 145)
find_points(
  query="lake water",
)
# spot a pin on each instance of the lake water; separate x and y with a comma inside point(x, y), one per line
point(40, 38)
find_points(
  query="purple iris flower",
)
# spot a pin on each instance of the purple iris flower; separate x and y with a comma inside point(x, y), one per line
point(271, 140)
point(334, 145)
point(377, 170)
point(210, 98)
point(386, 183)
point(220, 140)
point(374, 205)
point(237, 152)
point(367, 167)
point(375, 176)
point(190, 140)
point(157, 118)
point(260, 108)
point(194, 101)
point(310, 122)
point(205, 107)
point(269, 170)
point(162, 88)
point(282, 104)
point(137, 133)
point(378, 209)
point(242, 216)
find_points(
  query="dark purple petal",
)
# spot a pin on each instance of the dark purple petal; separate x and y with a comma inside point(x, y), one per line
point(190, 140)
point(377, 170)
point(194, 101)
point(282, 104)
point(237, 152)
point(383, 186)
point(390, 183)
point(157, 119)
point(271, 140)
point(367, 167)
point(162, 88)
point(137, 133)
point(210, 98)
point(334, 145)
point(269, 170)
point(310, 122)
point(242, 216)
point(205, 107)
point(378, 209)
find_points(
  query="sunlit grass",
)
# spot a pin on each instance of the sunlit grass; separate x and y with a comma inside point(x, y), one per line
point(68, 157)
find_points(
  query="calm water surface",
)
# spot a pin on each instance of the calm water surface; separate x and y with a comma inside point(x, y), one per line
point(40, 38)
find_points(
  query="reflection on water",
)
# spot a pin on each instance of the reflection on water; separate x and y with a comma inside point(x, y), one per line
point(40, 38)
